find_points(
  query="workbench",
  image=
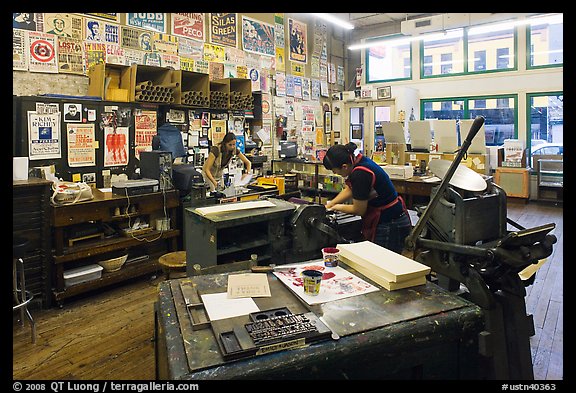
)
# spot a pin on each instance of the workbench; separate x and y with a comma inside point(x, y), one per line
point(423, 332)
point(414, 187)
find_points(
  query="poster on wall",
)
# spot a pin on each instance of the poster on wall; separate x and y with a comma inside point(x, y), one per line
point(145, 125)
point(147, 20)
point(165, 43)
point(136, 39)
point(190, 48)
point(19, 50)
point(298, 41)
point(188, 25)
point(25, 21)
point(81, 145)
point(42, 49)
point(99, 31)
point(223, 29)
point(44, 136)
point(114, 17)
point(279, 30)
point(63, 25)
point(70, 56)
point(257, 37)
point(95, 53)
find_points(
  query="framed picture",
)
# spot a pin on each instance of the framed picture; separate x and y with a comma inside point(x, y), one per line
point(336, 134)
point(327, 122)
point(384, 92)
point(356, 131)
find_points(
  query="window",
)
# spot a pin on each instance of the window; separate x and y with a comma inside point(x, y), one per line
point(446, 63)
point(546, 121)
point(492, 46)
point(390, 61)
point(444, 55)
point(546, 41)
point(427, 66)
point(500, 118)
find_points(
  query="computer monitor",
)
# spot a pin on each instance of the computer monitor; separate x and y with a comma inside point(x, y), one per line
point(420, 135)
point(185, 176)
point(393, 132)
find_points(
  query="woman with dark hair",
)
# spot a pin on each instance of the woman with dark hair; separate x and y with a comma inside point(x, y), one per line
point(385, 220)
point(219, 158)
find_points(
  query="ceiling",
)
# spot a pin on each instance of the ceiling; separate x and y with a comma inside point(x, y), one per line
point(364, 20)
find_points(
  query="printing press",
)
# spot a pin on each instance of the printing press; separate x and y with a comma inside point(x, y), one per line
point(463, 236)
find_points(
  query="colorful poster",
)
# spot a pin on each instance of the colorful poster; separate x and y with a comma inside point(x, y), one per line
point(297, 87)
point(95, 53)
point(306, 89)
point(315, 96)
point(116, 141)
point(257, 37)
point(241, 72)
point(25, 21)
point(290, 85)
point(44, 136)
point(214, 53)
point(201, 66)
point(70, 56)
point(165, 43)
point(81, 144)
point(230, 70)
point(280, 84)
point(254, 75)
point(217, 131)
point(147, 20)
point(115, 54)
point(63, 25)
point(136, 39)
point(145, 126)
point(189, 25)
point(279, 30)
point(42, 47)
point(298, 41)
point(190, 48)
point(266, 107)
point(223, 29)
point(280, 59)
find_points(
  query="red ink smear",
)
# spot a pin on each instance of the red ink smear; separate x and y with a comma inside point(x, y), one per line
point(314, 267)
point(327, 276)
point(297, 282)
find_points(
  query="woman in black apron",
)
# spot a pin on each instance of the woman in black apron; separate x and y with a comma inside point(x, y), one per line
point(385, 220)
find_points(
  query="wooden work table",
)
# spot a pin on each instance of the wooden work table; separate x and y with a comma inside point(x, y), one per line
point(423, 332)
point(414, 186)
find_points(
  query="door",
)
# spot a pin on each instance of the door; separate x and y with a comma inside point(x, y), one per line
point(363, 121)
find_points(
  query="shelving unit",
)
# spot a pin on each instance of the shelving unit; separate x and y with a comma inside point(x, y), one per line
point(550, 180)
point(313, 179)
point(104, 209)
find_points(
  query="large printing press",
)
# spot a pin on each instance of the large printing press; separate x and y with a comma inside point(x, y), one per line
point(462, 235)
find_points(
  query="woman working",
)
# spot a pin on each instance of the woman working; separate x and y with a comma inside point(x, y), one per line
point(219, 158)
point(385, 220)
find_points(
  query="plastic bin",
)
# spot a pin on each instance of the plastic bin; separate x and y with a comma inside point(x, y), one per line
point(82, 274)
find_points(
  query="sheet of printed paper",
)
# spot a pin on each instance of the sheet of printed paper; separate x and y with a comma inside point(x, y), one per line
point(248, 285)
point(219, 306)
point(337, 283)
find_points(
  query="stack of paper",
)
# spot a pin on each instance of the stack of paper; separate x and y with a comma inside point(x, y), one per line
point(385, 267)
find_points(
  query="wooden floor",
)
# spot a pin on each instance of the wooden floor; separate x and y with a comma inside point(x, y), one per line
point(109, 335)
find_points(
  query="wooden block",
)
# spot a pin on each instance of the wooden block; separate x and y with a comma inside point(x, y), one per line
point(388, 264)
point(71, 241)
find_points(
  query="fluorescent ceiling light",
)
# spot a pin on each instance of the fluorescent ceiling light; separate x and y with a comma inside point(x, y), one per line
point(456, 33)
point(540, 20)
point(334, 20)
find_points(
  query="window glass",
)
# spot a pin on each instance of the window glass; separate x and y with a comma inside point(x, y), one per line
point(546, 123)
point(389, 61)
point(443, 55)
point(546, 40)
point(490, 48)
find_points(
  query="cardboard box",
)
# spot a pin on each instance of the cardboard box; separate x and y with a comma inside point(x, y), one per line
point(476, 162)
point(111, 82)
point(395, 153)
point(158, 76)
point(191, 82)
point(399, 171)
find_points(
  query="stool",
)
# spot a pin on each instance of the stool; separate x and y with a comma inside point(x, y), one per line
point(173, 262)
point(21, 296)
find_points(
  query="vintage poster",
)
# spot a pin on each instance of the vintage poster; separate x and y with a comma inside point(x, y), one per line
point(136, 39)
point(217, 131)
point(223, 29)
point(216, 70)
point(241, 72)
point(63, 25)
point(95, 31)
point(337, 282)
point(257, 37)
point(280, 60)
point(201, 66)
point(279, 30)
point(27, 21)
point(264, 75)
point(230, 70)
point(145, 126)
point(186, 64)
point(290, 85)
point(324, 91)
point(95, 53)
point(297, 87)
point(254, 75)
point(71, 56)
point(315, 95)
point(133, 56)
point(116, 146)
point(115, 54)
point(234, 56)
point(331, 73)
point(42, 48)
point(190, 48)
point(19, 50)
point(147, 20)
point(297, 69)
point(170, 60)
point(44, 136)
point(266, 106)
point(280, 84)
point(80, 144)
point(189, 25)
point(165, 43)
point(306, 89)
point(315, 65)
point(214, 53)
point(298, 41)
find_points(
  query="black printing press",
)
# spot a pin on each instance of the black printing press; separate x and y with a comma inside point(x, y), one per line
point(462, 235)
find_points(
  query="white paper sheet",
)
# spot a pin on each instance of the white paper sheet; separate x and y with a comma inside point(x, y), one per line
point(219, 306)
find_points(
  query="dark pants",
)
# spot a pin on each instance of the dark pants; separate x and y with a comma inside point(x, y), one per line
point(391, 234)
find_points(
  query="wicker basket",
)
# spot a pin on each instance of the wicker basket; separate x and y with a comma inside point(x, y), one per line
point(114, 264)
